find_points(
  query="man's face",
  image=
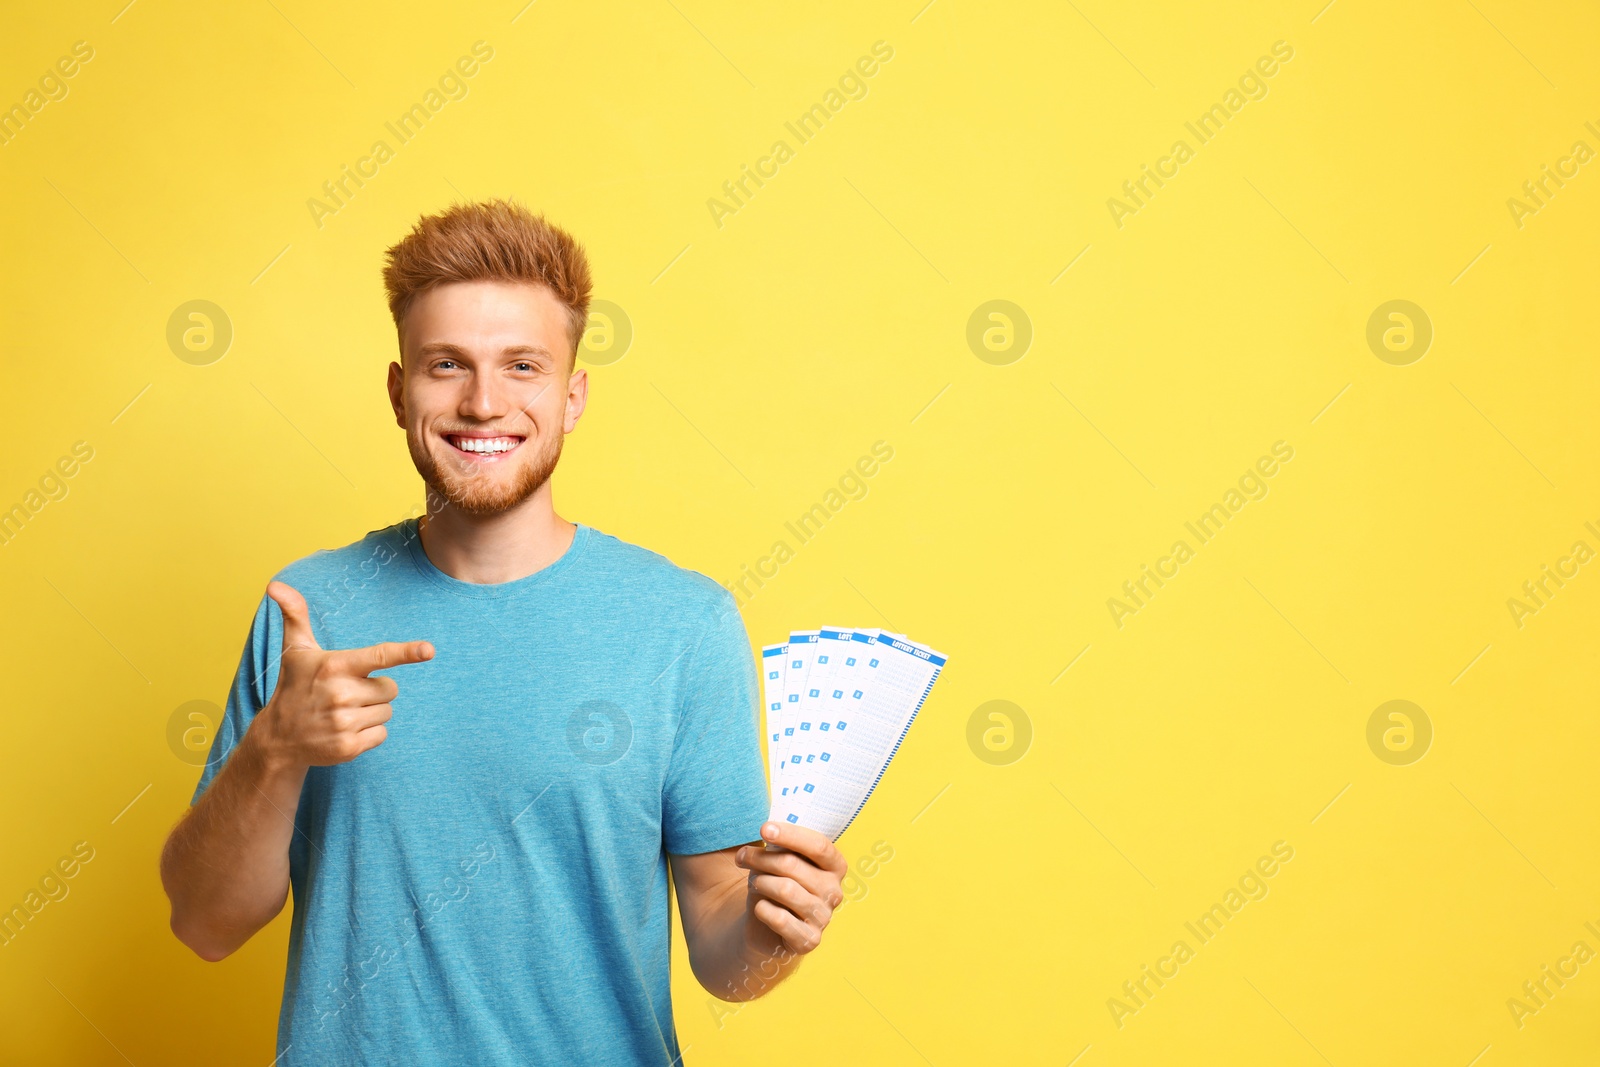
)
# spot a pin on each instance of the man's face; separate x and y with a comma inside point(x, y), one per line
point(483, 391)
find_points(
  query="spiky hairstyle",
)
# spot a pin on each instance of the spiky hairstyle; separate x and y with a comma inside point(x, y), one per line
point(494, 240)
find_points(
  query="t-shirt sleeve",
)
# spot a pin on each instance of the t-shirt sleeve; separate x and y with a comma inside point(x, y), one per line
point(253, 684)
point(716, 788)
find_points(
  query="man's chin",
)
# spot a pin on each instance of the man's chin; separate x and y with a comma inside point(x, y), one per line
point(476, 499)
point(483, 495)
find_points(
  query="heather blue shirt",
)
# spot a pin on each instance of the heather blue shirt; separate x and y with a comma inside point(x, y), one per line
point(489, 885)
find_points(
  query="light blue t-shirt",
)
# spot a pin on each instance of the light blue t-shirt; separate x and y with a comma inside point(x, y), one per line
point(489, 885)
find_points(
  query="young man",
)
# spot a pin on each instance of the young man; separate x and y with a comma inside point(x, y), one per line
point(477, 822)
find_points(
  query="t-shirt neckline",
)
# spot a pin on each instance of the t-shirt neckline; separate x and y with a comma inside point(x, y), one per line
point(410, 531)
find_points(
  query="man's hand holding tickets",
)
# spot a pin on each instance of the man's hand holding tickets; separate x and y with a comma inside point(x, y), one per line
point(794, 884)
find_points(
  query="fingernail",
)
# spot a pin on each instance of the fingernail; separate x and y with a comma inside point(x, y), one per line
point(770, 831)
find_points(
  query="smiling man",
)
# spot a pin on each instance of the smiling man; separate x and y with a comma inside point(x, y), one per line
point(477, 822)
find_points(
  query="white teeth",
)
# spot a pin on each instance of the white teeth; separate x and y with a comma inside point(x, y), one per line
point(486, 445)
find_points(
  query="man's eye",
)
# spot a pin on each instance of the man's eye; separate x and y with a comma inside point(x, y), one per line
point(443, 363)
point(525, 366)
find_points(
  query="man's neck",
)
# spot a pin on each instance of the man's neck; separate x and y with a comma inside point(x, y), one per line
point(490, 549)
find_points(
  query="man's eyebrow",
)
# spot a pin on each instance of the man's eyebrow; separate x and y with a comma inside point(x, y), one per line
point(437, 347)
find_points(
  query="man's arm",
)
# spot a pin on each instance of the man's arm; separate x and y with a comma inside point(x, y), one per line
point(748, 931)
point(225, 866)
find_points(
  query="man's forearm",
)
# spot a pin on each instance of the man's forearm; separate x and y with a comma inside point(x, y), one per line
point(742, 958)
point(748, 932)
point(225, 866)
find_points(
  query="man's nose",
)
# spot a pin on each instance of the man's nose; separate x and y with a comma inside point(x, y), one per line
point(484, 400)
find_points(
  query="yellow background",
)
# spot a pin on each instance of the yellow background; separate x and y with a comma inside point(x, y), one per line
point(768, 354)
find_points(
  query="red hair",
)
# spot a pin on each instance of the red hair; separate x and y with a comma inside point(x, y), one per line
point(495, 240)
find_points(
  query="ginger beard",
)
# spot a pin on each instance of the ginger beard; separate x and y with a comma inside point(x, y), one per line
point(475, 488)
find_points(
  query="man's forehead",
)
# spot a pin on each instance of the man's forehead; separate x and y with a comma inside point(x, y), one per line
point(485, 317)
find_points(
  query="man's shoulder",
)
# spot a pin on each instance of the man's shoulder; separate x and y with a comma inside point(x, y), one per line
point(641, 570)
point(325, 565)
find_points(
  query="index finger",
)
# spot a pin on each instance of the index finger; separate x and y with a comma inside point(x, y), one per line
point(364, 661)
point(811, 844)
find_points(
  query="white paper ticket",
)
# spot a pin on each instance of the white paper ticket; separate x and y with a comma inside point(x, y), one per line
point(856, 709)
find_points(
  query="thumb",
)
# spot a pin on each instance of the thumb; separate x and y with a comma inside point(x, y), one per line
point(296, 616)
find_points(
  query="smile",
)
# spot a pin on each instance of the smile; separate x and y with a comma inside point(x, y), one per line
point(482, 447)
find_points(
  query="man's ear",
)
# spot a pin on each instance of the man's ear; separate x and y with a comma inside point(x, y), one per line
point(577, 399)
point(397, 393)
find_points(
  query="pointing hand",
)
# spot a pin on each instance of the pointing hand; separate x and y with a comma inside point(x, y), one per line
point(325, 710)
